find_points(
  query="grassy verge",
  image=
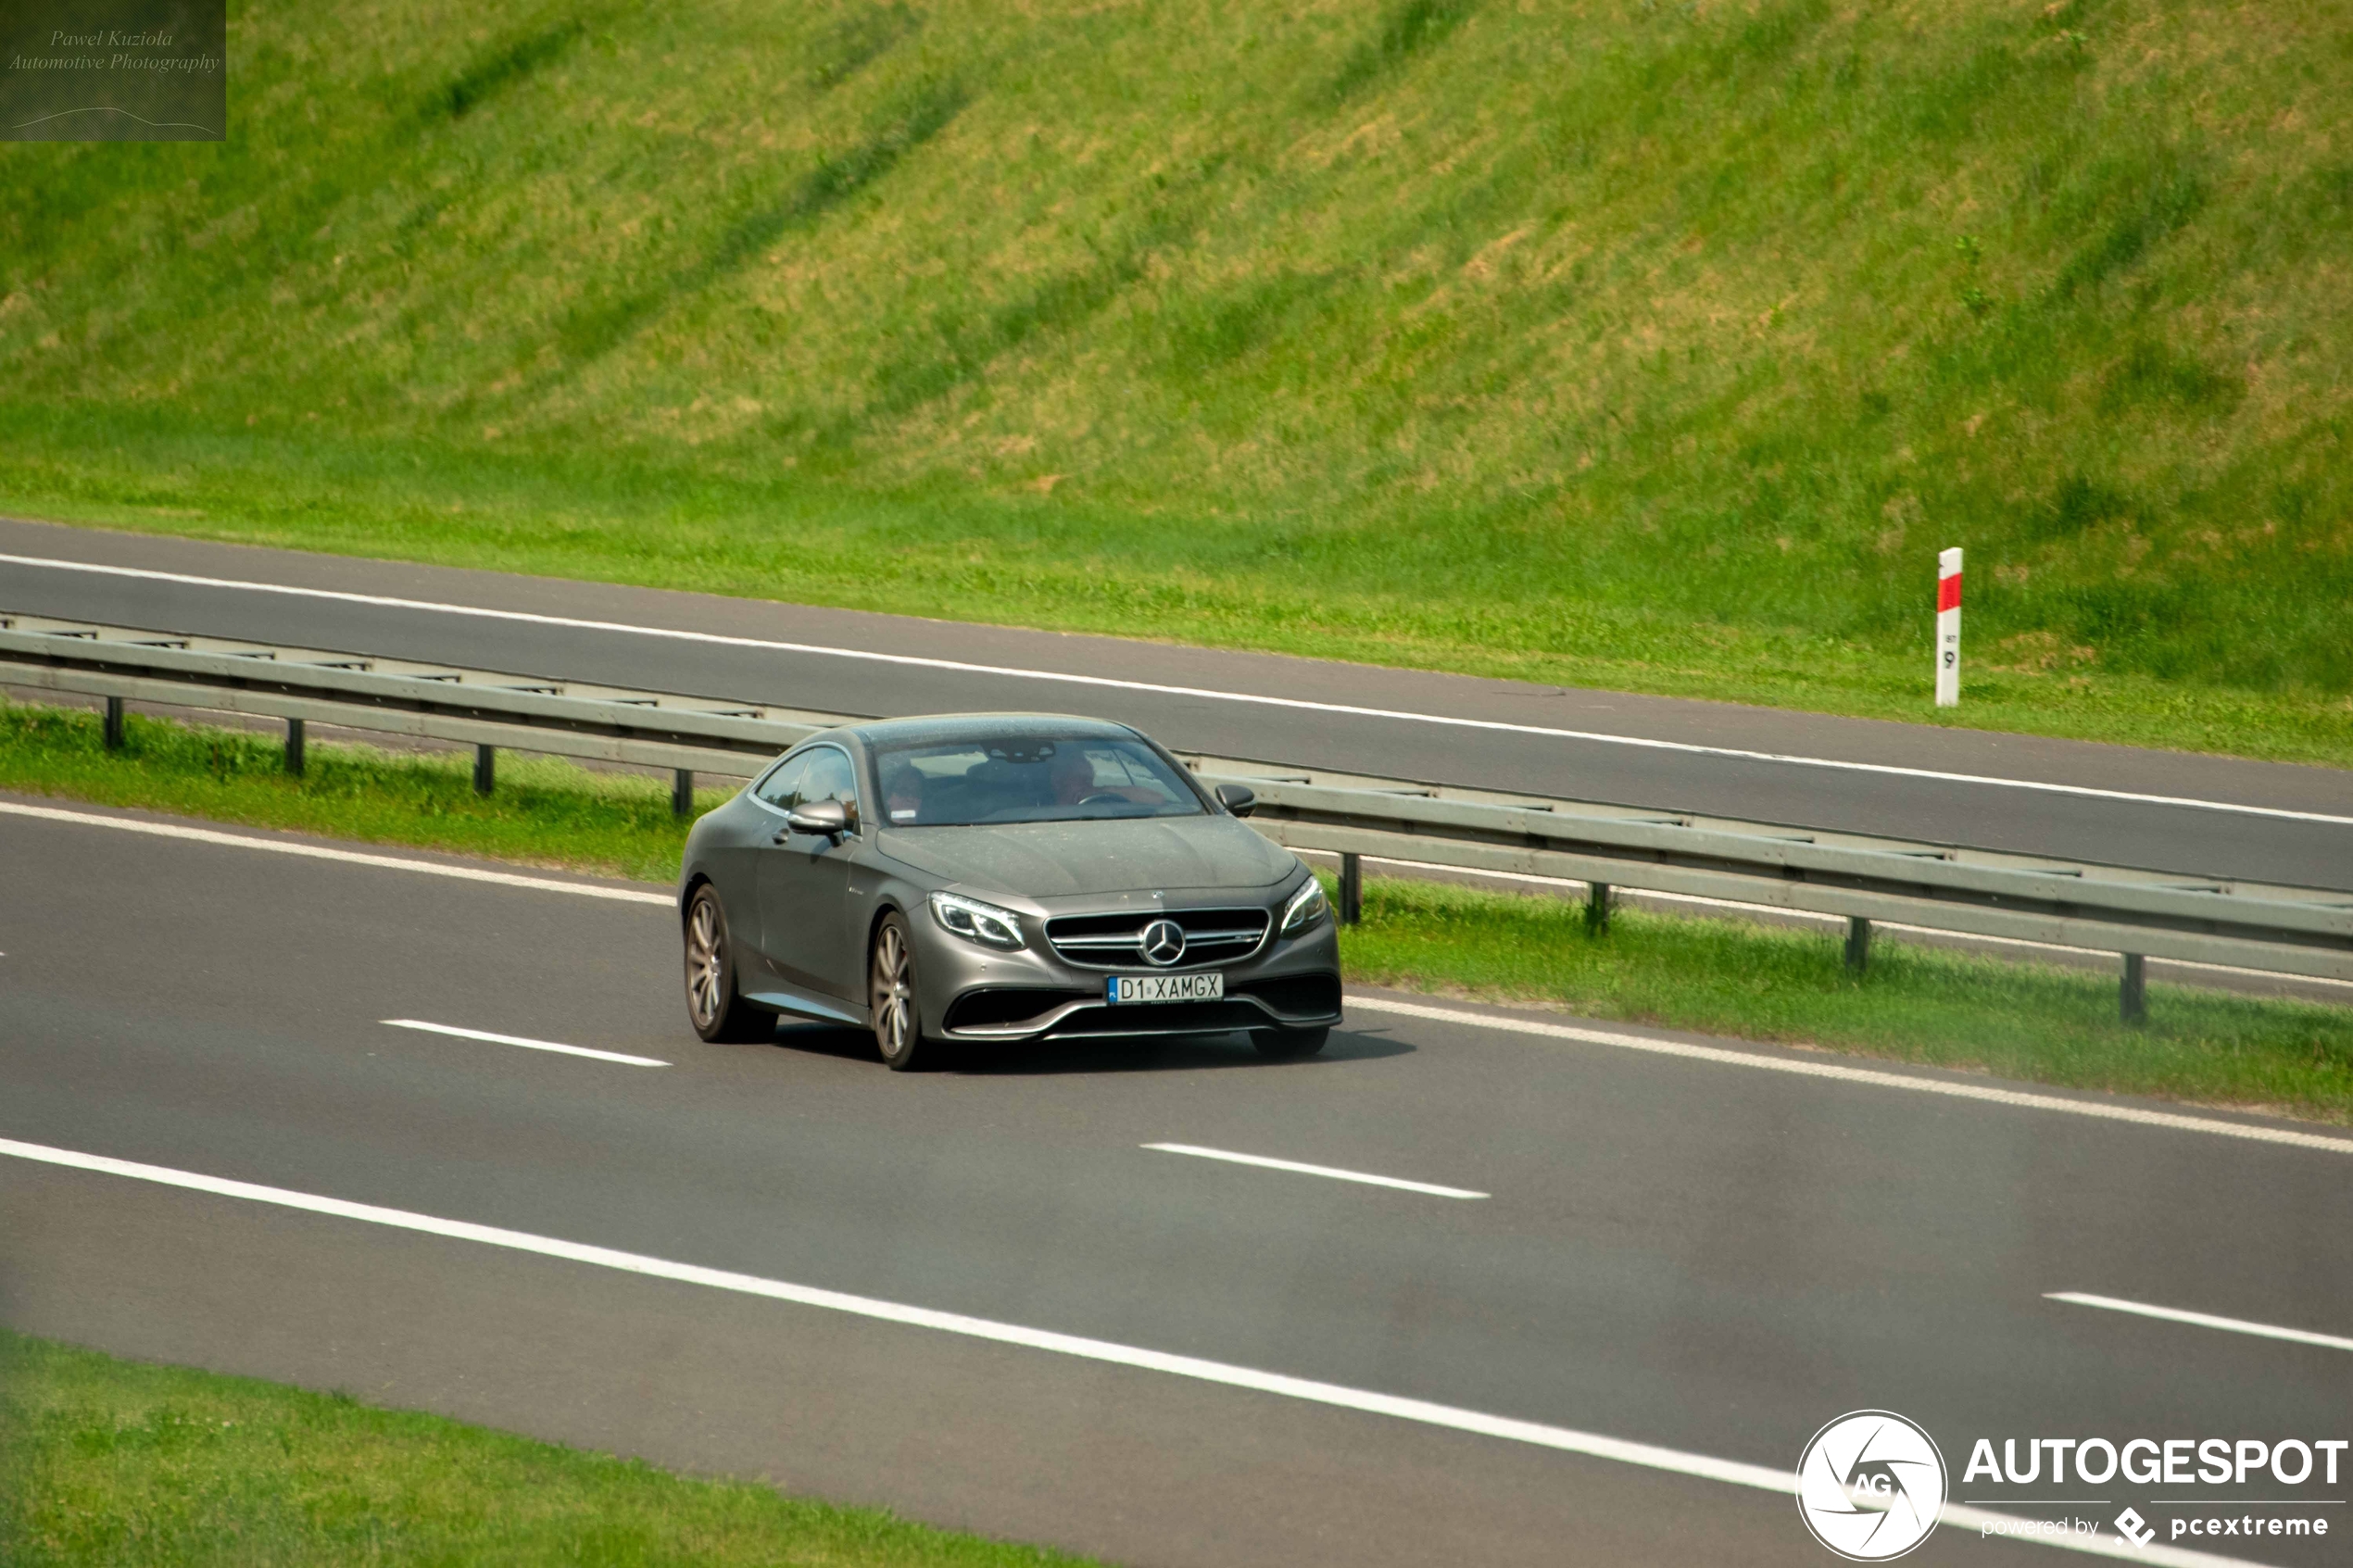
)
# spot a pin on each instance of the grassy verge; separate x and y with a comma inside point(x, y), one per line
point(546, 812)
point(1107, 570)
point(1916, 1004)
point(107, 1461)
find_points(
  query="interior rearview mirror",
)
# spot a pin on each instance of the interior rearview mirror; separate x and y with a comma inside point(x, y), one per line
point(1238, 799)
point(829, 818)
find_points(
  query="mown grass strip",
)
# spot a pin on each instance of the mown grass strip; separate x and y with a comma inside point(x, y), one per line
point(546, 812)
point(2024, 1021)
point(1931, 1006)
point(1109, 569)
point(117, 1463)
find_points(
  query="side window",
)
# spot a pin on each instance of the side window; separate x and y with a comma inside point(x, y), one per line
point(829, 778)
point(780, 788)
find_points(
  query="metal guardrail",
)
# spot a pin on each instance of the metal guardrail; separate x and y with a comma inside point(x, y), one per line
point(2283, 930)
point(2136, 913)
point(486, 709)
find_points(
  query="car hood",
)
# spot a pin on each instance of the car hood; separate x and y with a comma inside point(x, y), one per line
point(1057, 859)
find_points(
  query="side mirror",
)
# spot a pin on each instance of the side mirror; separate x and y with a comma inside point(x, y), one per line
point(827, 819)
point(1237, 799)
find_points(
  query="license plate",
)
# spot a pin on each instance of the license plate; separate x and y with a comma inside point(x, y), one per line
point(1164, 988)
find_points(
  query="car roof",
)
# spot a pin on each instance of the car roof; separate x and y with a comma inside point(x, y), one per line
point(937, 729)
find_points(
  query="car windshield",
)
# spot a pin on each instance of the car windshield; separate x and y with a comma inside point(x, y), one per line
point(1032, 777)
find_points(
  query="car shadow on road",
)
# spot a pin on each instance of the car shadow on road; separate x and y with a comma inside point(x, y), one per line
point(1160, 1054)
point(1137, 1054)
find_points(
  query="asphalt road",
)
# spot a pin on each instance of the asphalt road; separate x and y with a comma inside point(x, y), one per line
point(1679, 1252)
point(2140, 831)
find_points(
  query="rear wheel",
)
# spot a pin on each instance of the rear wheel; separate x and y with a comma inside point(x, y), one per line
point(1289, 1045)
point(713, 1007)
point(890, 994)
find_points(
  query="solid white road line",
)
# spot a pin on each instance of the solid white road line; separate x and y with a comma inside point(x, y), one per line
point(1336, 1173)
point(620, 1056)
point(2203, 1319)
point(1454, 1418)
point(629, 895)
point(1855, 1075)
point(1209, 693)
point(350, 856)
point(1373, 1004)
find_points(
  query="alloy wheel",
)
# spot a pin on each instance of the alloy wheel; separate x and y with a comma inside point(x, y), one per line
point(892, 995)
point(706, 962)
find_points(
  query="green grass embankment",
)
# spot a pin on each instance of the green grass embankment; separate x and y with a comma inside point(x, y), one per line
point(1648, 346)
point(1916, 1004)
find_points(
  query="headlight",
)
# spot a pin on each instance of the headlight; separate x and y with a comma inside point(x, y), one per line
point(977, 922)
point(1306, 907)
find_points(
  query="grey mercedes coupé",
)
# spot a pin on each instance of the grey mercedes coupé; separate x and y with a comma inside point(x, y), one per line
point(1000, 877)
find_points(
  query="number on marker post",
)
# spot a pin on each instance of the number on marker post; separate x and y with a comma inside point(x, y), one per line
point(1948, 629)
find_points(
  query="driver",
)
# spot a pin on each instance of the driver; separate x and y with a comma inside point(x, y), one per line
point(903, 794)
point(1071, 775)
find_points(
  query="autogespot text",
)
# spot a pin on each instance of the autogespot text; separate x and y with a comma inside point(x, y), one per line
point(2185, 1462)
point(2150, 1461)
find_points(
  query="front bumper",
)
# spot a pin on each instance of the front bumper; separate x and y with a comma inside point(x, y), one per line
point(970, 993)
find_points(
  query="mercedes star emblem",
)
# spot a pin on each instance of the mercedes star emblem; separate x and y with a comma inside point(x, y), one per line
point(1164, 942)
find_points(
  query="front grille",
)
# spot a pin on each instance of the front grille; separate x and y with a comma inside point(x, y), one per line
point(1212, 936)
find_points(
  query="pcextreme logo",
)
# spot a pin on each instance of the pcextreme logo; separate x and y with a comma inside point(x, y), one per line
point(1871, 1485)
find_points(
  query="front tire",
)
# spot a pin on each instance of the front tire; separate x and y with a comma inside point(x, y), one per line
point(713, 1007)
point(890, 995)
point(1289, 1045)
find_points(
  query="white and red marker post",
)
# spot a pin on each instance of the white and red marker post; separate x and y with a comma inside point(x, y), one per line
point(1948, 629)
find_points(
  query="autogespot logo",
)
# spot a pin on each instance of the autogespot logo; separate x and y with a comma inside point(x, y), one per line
point(1871, 1485)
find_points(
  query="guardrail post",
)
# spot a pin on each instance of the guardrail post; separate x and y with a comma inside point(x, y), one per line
point(1597, 908)
point(1859, 943)
point(485, 768)
point(682, 792)
point(294, 747)
point(2133, 994)
point(113, 724)
point(1351, 887)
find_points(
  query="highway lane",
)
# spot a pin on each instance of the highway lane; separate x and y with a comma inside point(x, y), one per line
point(1678, 1253)
point(2134, 832)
